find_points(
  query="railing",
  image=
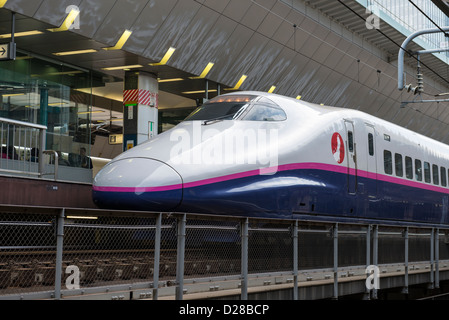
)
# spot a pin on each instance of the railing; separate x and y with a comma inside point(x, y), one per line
point(62, 253)
point(23, 148)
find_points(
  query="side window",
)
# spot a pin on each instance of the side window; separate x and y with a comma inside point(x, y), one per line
point(418, 170)
point(408, 168)
point(427, 172)
point(388, 163)
point(435, 174)
point(350, 141)
point(398, 164)
point(443, 176)
point(371, 144)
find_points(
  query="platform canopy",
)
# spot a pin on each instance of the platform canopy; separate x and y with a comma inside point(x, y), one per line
point(319, 50)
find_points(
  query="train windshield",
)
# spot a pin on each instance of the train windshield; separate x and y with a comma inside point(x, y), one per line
point(242, 107)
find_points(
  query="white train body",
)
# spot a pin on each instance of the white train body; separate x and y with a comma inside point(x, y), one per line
point(282, 157)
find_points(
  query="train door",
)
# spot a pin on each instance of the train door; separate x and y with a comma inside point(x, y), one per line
point(371, 186)
point(351, 157)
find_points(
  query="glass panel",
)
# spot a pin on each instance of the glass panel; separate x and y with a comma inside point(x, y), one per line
point(398, 164)
point(435, 174)
point(443, 177)
point(427, 172)
point(42, 92)
point(388, 164)
point(408, 168)
point(418, 170)
point(370, 144)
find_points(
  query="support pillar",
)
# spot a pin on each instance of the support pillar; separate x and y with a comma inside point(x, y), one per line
point(140, 108)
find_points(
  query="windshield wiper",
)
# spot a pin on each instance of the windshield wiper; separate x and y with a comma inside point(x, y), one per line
point(206, 122)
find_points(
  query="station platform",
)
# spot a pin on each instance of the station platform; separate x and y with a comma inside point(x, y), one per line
point(23, 191)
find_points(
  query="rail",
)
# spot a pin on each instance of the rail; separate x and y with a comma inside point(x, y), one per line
point(23, 149)
point(59, 253)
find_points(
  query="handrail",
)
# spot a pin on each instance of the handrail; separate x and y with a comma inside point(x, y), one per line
point(24, 124)
point(56, 164)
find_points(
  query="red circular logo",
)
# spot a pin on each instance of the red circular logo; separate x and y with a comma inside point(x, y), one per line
point(338, 148)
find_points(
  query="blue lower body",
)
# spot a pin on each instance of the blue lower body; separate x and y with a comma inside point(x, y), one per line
point(295, 194)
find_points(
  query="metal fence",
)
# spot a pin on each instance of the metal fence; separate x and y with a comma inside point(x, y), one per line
point(49, 253)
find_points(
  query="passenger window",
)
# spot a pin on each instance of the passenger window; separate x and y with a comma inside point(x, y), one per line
point(418, 170)
point(443, 176)
point(388, 164)
point(398, 164)
point(371, 144)
point(427, 172)
point(351, 141)
point(435, 174)
point(408, 168)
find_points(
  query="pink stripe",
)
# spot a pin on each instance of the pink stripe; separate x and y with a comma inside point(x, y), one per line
point(138, 189)
point(286, 167)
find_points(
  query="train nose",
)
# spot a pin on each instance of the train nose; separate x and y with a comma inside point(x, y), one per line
point(138, 184)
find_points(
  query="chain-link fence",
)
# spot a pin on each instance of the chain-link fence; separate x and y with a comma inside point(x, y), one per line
point(58, 253)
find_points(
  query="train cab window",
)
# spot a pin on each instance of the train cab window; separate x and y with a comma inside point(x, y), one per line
point(265, 110)
point(418, 170)
point(350, 141)
point(398, 164)
point(388, 162)
point(222, 108)
point(435, 174)
point(427, 172)
point(443, 176)
point(371, 144)
point(408, 168)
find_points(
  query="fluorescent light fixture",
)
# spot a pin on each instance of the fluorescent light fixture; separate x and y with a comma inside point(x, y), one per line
point(239, 83)
point(21, 34)
point(199, 91)
point(81, 217)
point(2, 3)
point(121, 42)
point(90, 112)
point(169, 80)
point(205, 71)
point(74, 13)
point(165, 58)
point(272, 89)
point(70, 53)
point(123, 67)
point(13, 95)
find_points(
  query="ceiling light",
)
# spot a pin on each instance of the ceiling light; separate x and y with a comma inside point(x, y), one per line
point(205, 71)
point(165, 58)
point(69, 53)
point(123, 67)
point(121, 42)
point(13, 95)
point(91, 112)
point(169, 80)
point(74, 13)
point(199, 91)
point(239, 83)
point(81, 217)
point(21, 34)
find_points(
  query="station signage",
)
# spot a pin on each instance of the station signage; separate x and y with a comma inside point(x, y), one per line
point(7, 51)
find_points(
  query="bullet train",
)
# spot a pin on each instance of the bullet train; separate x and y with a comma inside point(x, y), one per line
point(257, 154)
